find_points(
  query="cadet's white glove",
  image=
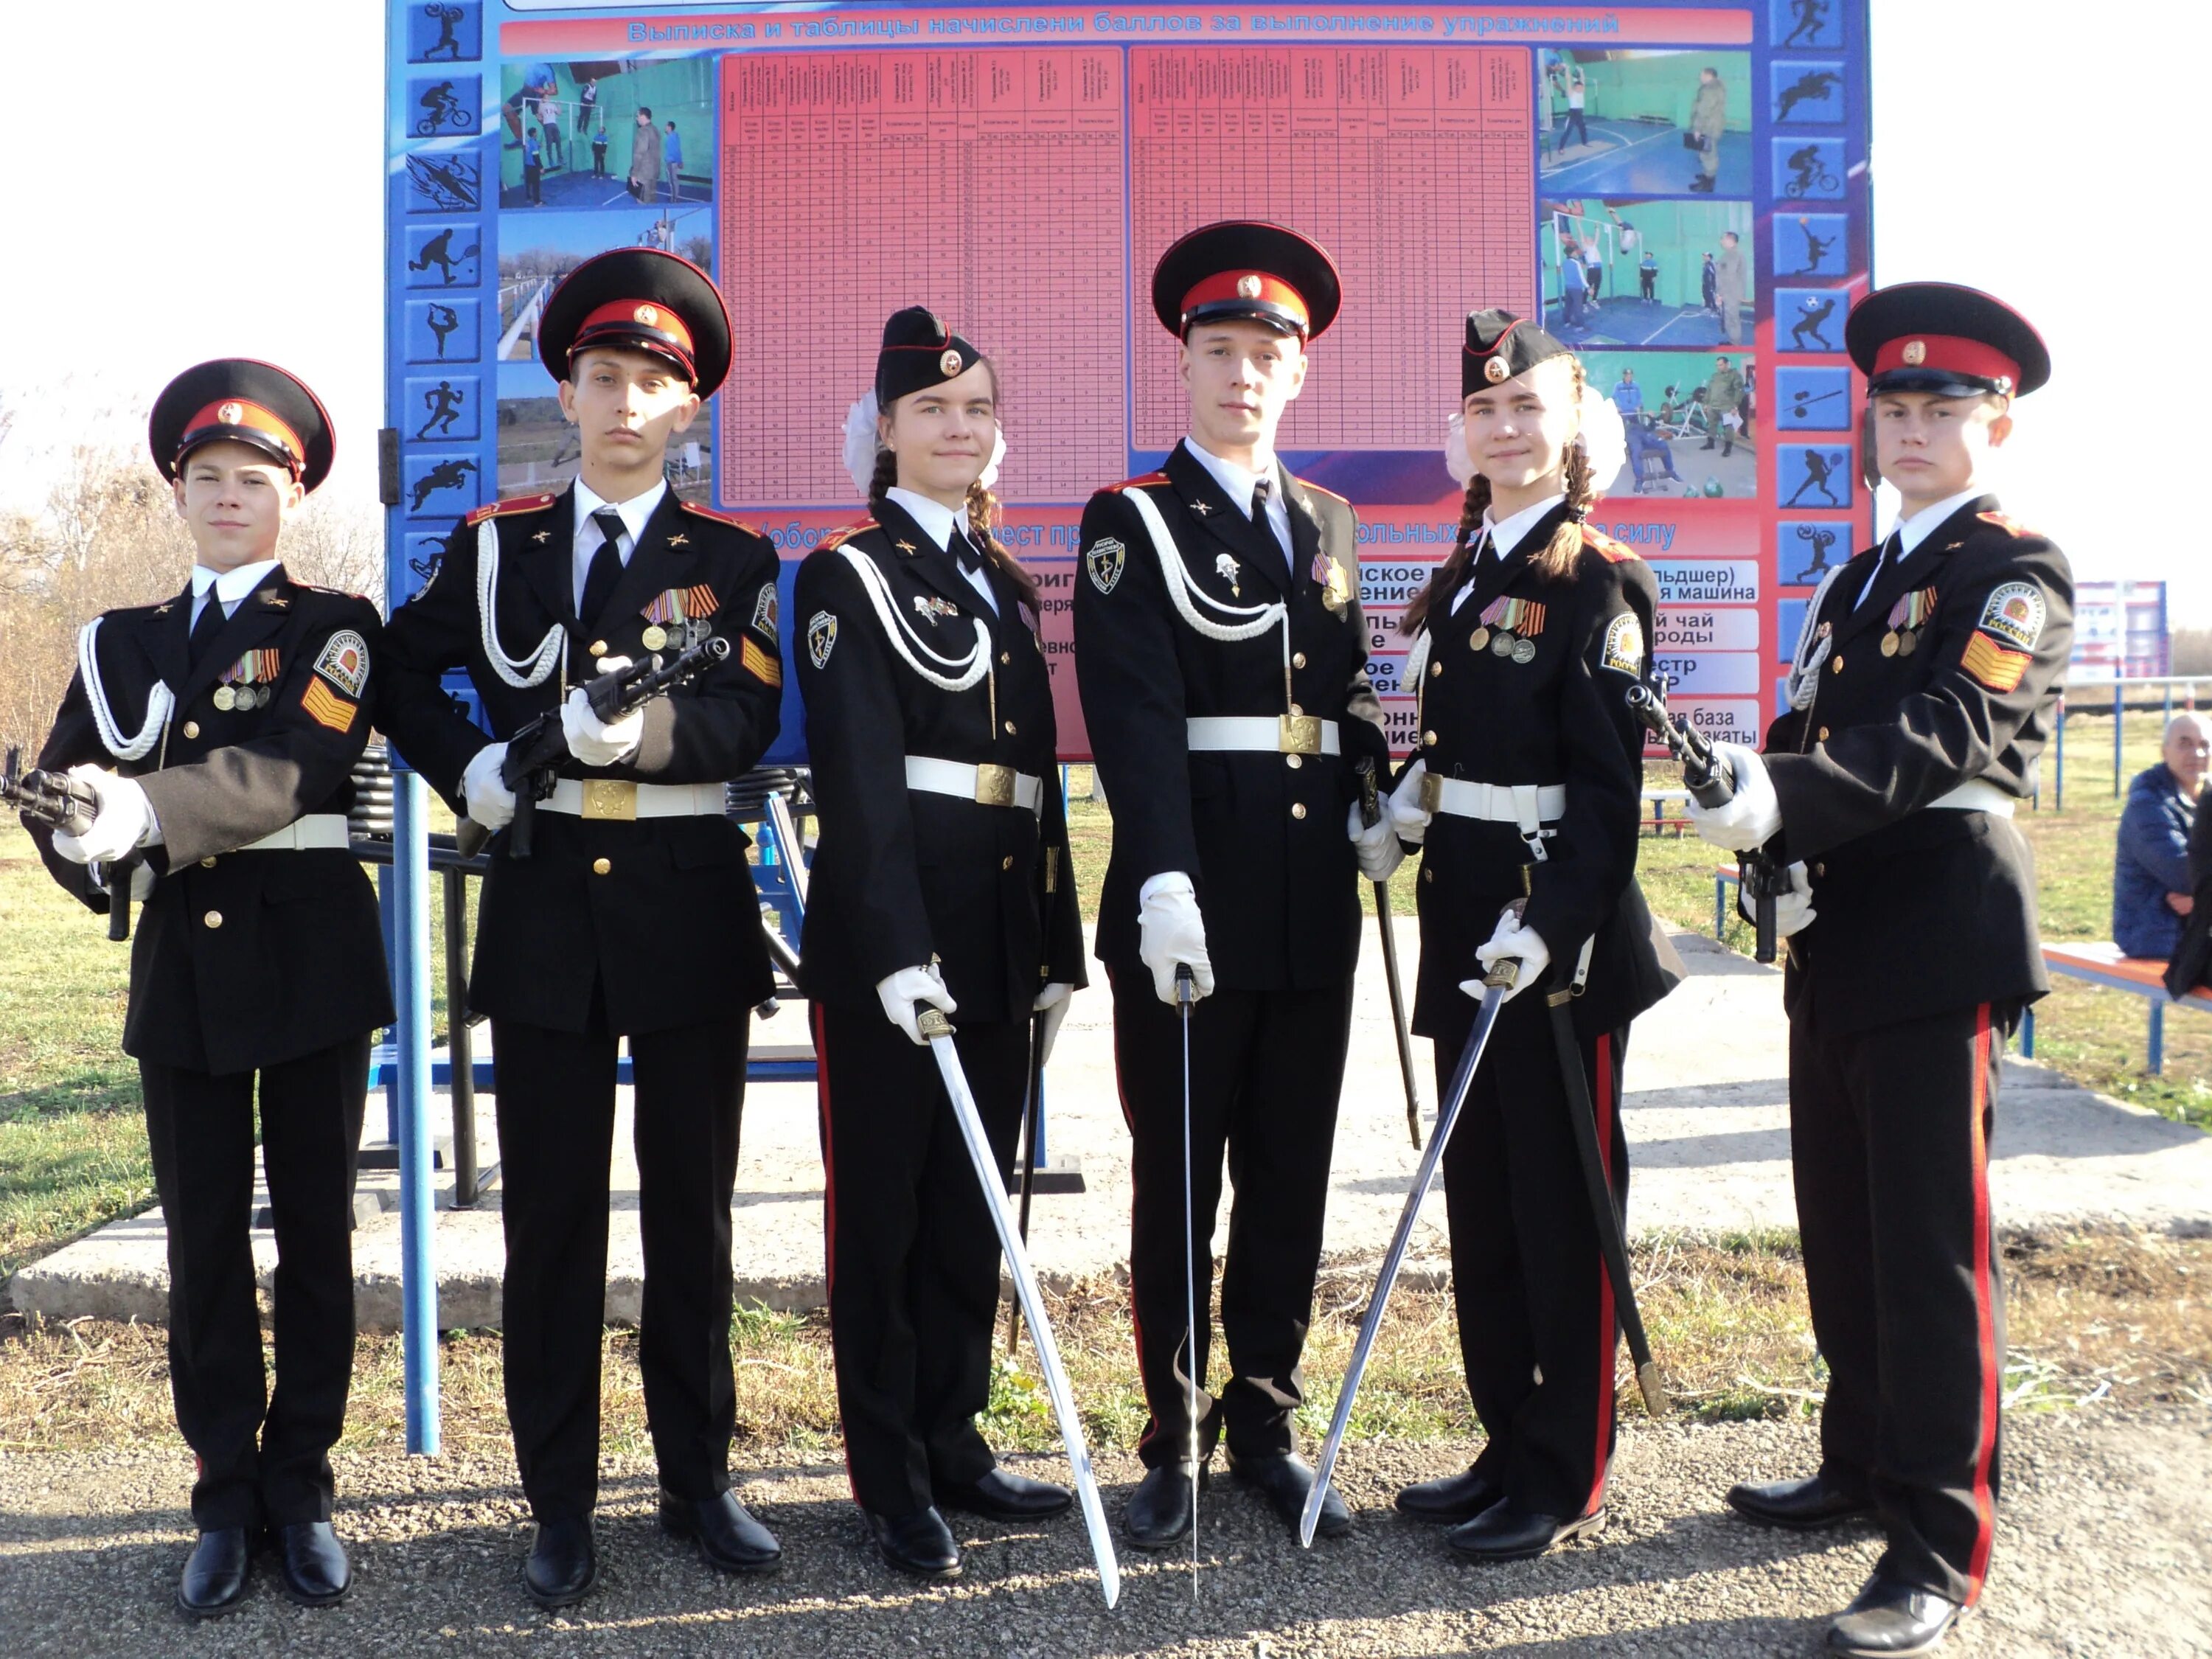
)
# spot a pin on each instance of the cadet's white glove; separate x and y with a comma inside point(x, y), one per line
point(1524, 944)
point(1053, 1002)
point(1753, 817)
point(1793, 910)
point(1379, 852)
point(1404, 806)
point(124, 824)
point(1171, 930)
point(903, 993)
point(595, 742)
point(490, 802)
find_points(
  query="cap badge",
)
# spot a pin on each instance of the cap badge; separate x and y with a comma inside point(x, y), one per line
point(649, 315)
point(1916, 353)
point(231, 414)
point(950, 362)
point(1248, 288)
point(1496, 370)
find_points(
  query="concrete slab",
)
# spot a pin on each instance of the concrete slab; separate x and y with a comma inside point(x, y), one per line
point(1706, 1112)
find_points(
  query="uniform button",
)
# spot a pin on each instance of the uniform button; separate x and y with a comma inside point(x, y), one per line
point(1820, 869)
point(191, 728)
point(1010, 728)
point(1836, 667)
point(598, 647)
point(1007, 862)
point(207, 863)
point(1435, 669)
point(601, 867)
point(1294, 762)
point(1428, 740)
point(1297, 659)
point(1298, 809)
point(1824, 734)
point(1428, 875)
point(1005, 656)
point(213, 918)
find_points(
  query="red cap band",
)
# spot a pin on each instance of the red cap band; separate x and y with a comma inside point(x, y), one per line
point(233, 416)
point(1949, 354)
point(640, 322)
point(1253, 287)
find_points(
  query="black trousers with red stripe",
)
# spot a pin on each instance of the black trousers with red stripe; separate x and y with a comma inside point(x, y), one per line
point(1537, 1328)
point(1266, 1070)
point(556, 1117)
point(1889, 1137)
point(913, 1258)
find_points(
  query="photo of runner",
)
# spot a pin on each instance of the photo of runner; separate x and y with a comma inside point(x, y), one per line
point(1677, 297)
point(1691, 422)
point(607, 134)
point(1645, 123)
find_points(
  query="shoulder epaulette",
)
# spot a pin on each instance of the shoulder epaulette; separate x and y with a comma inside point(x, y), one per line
point(719, 517)
point(514, 504)
point(1323, 489)
point(2010, 526)
point(1142, 478)
point(844, 533)
point(1604, 545)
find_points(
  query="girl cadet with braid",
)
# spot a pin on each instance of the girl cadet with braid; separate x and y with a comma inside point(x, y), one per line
point(1525, 790)
point(941, 881)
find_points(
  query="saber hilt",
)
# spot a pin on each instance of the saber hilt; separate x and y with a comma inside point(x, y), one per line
point(932, 1023)
point(1186, 989)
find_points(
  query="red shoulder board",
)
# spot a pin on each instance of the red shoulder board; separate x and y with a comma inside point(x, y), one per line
point(1320, 489)
point(2010, 526)
point(718, 517)
point(1604, 545)
point(839, 536)
point(1144, 479)
point(516, 504)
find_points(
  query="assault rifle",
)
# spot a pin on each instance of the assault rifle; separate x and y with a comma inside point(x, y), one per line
point(61, 802)
point(1713, 785)
point(539, 747)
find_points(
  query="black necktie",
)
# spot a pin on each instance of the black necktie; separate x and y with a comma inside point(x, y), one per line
point(607, 566)
point(205, 626)
point(1261, 490)
point(1891, 550)
point(964, 550)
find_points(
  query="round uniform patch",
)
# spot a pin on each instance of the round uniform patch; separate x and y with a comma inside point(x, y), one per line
point(2015, 612)
point(344, 662)
point(1624, 645)
point(821, 637)
point(1104, 561)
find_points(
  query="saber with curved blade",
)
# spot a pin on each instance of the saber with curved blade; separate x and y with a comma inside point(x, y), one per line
point(937, 1030)
point(1499, 981)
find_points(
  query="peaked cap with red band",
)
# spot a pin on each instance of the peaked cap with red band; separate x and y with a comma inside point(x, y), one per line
point(239, 400)
point(638, 299)
point(919, 352)
point(1938, 337)
point(1248, 272)
point(1499, 346)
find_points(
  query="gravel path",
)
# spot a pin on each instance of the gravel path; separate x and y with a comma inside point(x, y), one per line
point(2102, 1550)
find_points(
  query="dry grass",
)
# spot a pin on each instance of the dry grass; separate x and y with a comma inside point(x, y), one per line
point(2098, 1316)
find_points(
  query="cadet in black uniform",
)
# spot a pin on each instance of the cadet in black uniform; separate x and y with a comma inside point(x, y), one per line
point(941, 878)
point(634, 916)
point(219, 728)
point(1920, 696)
point(1222, 658)
point(1528, 782)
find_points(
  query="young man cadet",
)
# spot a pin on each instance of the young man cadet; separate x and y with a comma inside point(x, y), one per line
point(219, 729)
point(1920, 698)
point(632, 916)
point(1221, 655)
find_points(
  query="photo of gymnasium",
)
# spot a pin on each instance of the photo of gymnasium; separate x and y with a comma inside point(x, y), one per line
point(1633, 272)
point(1645, 123)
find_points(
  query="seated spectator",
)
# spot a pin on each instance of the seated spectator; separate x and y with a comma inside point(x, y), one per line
point(2151, 884)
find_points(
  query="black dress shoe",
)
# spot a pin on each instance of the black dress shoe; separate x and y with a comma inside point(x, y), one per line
point(564, 1564)
point(1455, 1498)
point(1159, 1510)
point(1284, 1479)
point(312, 1564)
point(920, 1544)
point(1800, 1505)
point(1889, 1618)
point(1506, 1532)
point(1005, 1497)
point(730, 1539)
point(216, 1573)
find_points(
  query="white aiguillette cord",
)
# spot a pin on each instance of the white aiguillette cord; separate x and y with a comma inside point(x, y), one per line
point(159, 702)
point(951, 673)
point(520, 673)
point(1813, 647)
point(1258, 618)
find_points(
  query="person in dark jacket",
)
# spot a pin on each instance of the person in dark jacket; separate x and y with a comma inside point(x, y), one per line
point(2151, 884)
point(942, 881)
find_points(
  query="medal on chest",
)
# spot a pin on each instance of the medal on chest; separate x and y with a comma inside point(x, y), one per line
point(1907, 618)
point(678, 613)
point(248, 683)
point(1334, 581)
point(1508, 628)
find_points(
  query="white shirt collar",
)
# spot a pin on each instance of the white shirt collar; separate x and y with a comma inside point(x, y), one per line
point(1911, 531)
point(635, 512)
point(230, 586)
point(938, 521)
point(1236, 481)
point(1507, 534)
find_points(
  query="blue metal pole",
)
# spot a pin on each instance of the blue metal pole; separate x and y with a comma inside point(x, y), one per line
point(418, 1268)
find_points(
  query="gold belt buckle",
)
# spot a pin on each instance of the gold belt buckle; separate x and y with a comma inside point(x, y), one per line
point(995, 785)
point(1298, 734)
point(1432, 793)
point(610, 799)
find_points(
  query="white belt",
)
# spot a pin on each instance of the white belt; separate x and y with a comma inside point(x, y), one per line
point(1264, 734)
point(317, 832)
point(1493, 802)
point(620, 801)
point(1977, 795)
point(988, 784)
